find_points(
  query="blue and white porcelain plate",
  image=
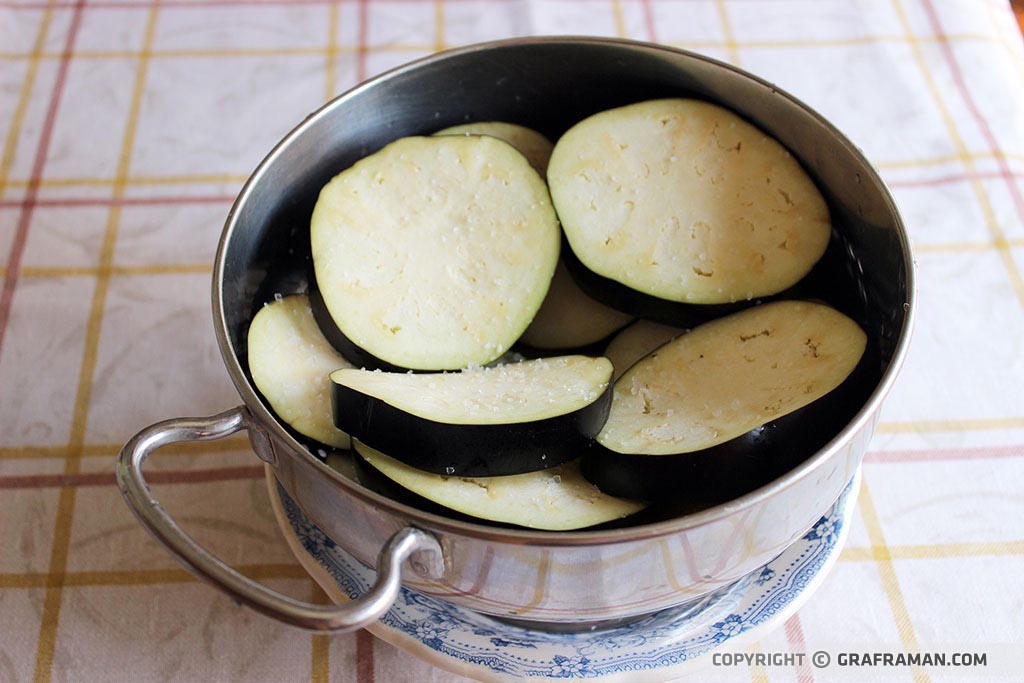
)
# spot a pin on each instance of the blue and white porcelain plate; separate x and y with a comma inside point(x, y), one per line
point(658, 647)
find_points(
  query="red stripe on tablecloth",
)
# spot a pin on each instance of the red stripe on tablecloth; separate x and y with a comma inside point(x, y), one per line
point(965, 94)
point(945, 454)
point(256, 471)
point(45, 137)
point(364, 657)
point(795, 638)
point(35, 481)
point(73, 202)
point(652, 33)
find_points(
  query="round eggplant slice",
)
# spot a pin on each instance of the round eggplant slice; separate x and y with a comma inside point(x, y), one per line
point(492, 421)
point(640, 305)
point(435, 252)
point(732, 403)
point(531, 144)
point(569, 319)
point(557, 499)
point(290, 363)
point(635, 342)
point(685, 201)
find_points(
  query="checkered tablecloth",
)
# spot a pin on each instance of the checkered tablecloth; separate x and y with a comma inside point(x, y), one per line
point(128, 126)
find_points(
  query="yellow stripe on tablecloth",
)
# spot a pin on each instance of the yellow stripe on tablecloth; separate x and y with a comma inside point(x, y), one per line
point(890, 582)
point(619, 18)
point(950, 425)
point(92, 271)
point(271, 571)
point(226, 445)
point(203, 268)
point(320, 644)
point(731, 48)
point(331, 72)
point(945, 159)
point(24, 96)
point(242, 443)
point(984, 202)
point(440, 40)
point(966, 246)
point(72, 463)
point(828, 42)
point(230, 178)
point(758, 672)
point(320, 652)
point(936, 551)
point(320, 658)
point(142, 577)
point(197, 179)
point(171, 53)
point(217, 53)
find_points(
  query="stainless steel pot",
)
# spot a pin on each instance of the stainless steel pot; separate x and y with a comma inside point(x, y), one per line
point(549, 578)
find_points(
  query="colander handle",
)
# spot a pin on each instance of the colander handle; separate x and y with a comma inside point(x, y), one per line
point(349, 616)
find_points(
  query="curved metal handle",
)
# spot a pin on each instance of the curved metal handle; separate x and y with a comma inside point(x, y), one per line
point(324, 618)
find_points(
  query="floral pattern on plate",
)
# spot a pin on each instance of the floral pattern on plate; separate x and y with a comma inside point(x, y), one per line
point(661, 645)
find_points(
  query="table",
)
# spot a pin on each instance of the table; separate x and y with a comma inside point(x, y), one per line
point(128, 126)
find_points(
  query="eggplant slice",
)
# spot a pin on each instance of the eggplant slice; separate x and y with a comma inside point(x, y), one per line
point(557, 499)
point(435, 252)
point(531, 144)
point(290, 363)
point(635, 342)
point(734, 400)
point(684, 201)
point(492, 421)
point(569, 319)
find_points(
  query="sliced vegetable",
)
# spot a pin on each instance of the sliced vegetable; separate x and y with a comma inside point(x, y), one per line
point(435, 252)
point(684, 201)
point(290, 362)
point(531, 144)
point(569, 319)
point(491, 421)
point(636, 341)
point(730, 401)
point(639, 305)
point(556, 499)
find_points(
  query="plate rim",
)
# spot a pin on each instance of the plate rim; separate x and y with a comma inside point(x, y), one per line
point(415, 647)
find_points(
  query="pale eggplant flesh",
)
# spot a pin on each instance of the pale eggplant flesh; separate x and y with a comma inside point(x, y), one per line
point(830, 280)
point(569, 320)
point(685, 201)
point(689, 481)
point(495, 421)
point(433, 253)
point(556, 499)
point(290, 361)
point(635, 341)
point(528, 142)
point(669, 437)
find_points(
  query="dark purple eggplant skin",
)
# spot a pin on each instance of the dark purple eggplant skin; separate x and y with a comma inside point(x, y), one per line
point(830, 280)
point(359, 356)
point(463, 450)
point(372, 479)
point(628, 300)
point(731, 469)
